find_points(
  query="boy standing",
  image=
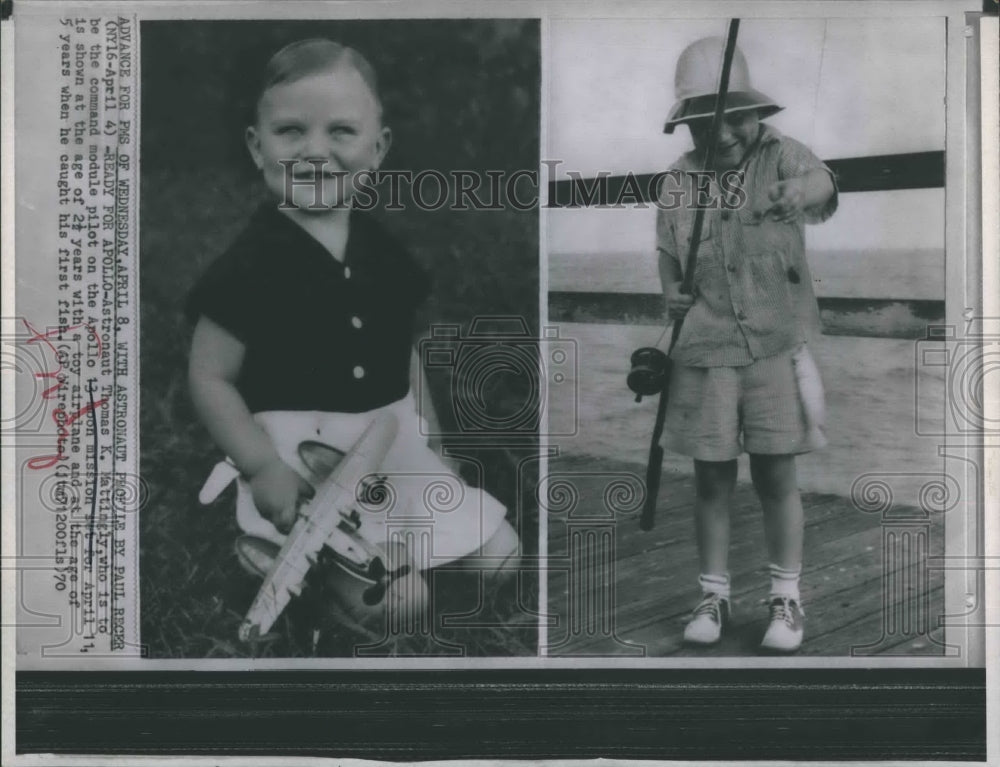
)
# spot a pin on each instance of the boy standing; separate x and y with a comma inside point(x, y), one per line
point(741, 365)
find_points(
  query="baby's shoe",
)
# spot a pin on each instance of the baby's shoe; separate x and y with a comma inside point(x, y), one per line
point(707, 620)
point(784, 633)
point(256, 555)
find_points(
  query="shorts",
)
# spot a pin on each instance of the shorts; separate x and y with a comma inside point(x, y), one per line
point(714, 414)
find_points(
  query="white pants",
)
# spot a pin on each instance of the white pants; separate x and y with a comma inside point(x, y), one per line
point(425, 502)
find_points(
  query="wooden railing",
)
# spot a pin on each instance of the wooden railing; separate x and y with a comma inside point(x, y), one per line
point(873, 317)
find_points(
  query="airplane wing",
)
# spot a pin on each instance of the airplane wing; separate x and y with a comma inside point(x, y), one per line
point(318, 521)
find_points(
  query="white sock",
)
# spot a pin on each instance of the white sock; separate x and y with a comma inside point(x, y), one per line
point(714, 584)
point(785, 583)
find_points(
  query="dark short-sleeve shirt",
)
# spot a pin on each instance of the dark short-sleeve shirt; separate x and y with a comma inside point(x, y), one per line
point(318, 334)
point(753, 290)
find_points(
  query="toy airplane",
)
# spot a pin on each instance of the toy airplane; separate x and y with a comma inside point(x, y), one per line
point(331, 519)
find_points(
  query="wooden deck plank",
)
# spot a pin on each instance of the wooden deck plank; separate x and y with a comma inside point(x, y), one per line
point(675, 500)
point(667, 610)
point(655, 580)
point(747, 527)
point(674, 517)
point(838, 618)
point(650, 567)
point(864, 636)
point(745, 635)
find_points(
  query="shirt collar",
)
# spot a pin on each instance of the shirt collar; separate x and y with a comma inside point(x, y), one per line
point(280, 231)
point(371, 253)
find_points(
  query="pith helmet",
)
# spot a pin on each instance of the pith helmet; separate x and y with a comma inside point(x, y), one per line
point(696, 83)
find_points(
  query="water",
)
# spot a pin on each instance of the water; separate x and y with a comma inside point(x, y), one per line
point(876, 273)
point(875, 393)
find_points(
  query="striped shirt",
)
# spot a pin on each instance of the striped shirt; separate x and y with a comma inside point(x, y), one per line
point(753, 291)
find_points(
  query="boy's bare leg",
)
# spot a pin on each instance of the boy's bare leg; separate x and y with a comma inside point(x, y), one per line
point(714, 483)
point(775, 482)
point(777, 487)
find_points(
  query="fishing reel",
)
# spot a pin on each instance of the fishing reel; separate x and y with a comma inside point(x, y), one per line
point(649, 373)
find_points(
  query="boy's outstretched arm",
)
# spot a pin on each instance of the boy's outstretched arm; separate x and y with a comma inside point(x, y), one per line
point(216, 359)
point(793, 197)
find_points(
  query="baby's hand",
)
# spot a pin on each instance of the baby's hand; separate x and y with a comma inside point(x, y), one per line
point(278, 491)
point(677, 303)
point(787, 200)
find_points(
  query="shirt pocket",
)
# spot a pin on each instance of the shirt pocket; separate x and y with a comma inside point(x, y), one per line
point(767, 239)
point(767, 255)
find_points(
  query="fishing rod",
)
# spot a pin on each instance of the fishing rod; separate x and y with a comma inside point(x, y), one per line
point(650, 373)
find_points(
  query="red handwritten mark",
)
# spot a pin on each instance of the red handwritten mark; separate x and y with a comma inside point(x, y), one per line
point(59, 415)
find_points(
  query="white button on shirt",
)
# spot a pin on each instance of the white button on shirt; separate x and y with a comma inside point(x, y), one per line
point(347, 272)
point(359, 372)
point(356, 322)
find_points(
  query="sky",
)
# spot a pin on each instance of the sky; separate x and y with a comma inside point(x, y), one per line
point(850, 87)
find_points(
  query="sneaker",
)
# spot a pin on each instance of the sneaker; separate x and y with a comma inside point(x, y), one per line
point(784, 634)
point(707, 620)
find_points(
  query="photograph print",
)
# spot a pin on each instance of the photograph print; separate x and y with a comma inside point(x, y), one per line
point(746, 241)
point(339, 232)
